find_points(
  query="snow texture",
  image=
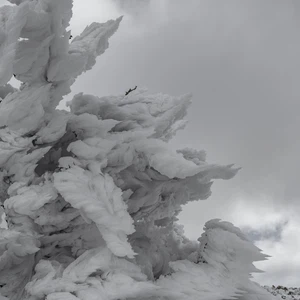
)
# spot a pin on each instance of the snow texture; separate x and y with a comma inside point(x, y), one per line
point(91, 195)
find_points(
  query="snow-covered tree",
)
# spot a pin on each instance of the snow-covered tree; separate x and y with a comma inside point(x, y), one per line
point(91, 195)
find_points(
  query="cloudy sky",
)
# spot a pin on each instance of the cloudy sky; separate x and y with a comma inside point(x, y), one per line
point(240, 59)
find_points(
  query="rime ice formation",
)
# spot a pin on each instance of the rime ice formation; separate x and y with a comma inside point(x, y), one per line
point(91, 195)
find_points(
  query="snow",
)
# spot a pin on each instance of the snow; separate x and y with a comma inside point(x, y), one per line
point(100, 200)
point(282, 292)
point(29, 113)
point(13, 19)
point(91, 195)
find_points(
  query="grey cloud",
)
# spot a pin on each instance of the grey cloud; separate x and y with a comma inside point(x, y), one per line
point(132, 6)
point(274, 234)
point(4, 2)
point(284, 274)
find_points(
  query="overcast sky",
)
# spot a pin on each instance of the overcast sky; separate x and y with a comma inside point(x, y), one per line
point(240, 59)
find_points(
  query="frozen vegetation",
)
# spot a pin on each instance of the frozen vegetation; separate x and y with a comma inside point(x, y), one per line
point(91, 195)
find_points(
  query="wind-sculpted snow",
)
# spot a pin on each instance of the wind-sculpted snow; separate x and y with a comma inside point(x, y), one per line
point(161, 113)
point(12, 22)
point(91, 195)
point(29, 114)
point(78, 59)
point(99, 200)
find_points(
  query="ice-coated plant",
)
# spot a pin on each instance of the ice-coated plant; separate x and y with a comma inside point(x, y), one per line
point(91, 195)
